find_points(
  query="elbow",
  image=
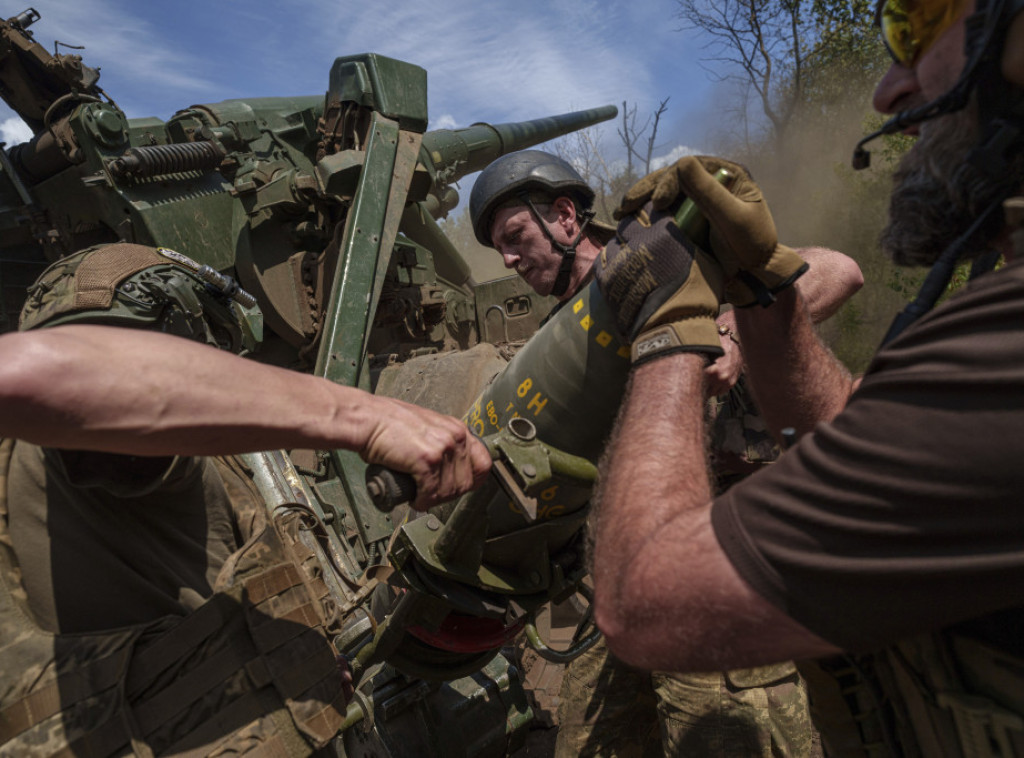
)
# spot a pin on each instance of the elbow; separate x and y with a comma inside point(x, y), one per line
point(835, 280)
point(643, 642)
point(619, 636)
point(843, 271)
point(851, 277)
point(612, 613)
point(629, 634)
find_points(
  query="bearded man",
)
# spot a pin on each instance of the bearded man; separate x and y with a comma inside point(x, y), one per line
point(885, 546)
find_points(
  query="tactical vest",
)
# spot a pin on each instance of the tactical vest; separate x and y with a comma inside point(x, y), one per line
point(943, 695)
point(251, 671)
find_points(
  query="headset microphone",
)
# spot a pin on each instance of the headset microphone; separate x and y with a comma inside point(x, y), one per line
point(952, 101)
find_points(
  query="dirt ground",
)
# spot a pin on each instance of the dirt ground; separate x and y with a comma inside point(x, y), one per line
point(543, 679)
point(542, 683)
point(540, 743)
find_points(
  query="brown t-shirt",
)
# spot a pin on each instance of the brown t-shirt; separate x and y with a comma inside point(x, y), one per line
point(93, 558)
point(906, 513)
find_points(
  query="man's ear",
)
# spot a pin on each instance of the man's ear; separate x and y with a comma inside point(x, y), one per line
point(566, 210)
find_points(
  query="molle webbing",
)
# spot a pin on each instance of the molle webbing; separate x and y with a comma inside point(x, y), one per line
point(847, 707)
point(98, 678)
point(934, 696)
point(250, 671)
point(99, 274)
point(961, 697)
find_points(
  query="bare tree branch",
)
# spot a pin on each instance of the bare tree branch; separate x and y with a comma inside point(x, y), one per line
point(632, 135)
point(662, 107)
point(763, 42)
point(581, 150)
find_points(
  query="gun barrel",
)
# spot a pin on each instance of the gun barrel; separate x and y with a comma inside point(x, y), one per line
point(460, 152)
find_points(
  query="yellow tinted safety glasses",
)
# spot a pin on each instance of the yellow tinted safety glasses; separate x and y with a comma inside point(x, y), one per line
point(909, 27)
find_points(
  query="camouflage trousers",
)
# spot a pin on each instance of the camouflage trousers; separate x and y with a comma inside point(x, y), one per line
point(609, 709)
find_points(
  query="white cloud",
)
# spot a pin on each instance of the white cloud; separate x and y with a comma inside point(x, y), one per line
point(500, 61)
point(677, 152)
point(447, 121)
point(14, 131)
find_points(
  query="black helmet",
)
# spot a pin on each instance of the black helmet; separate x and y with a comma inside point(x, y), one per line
point(520, 174)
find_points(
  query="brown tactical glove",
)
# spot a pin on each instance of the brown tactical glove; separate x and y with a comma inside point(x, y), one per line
point(663, 290)
point(743, 236)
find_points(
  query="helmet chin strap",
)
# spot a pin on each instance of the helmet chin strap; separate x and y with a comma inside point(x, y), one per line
point(568, 251)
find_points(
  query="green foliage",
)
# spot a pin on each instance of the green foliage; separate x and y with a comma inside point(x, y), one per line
point(906, 282)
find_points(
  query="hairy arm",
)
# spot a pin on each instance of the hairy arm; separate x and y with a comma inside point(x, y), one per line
point(128, 391)
point(796, 380)
point(666, 595)
point(831, 280)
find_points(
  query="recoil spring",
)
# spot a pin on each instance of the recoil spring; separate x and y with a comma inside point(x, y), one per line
point(154, 160)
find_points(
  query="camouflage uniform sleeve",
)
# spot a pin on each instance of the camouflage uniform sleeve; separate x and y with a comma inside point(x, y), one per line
point(740, 442)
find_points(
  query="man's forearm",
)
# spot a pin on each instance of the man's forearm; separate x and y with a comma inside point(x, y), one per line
point(666, 595)
point(123, 390)
point(129, 391)
point(654, 467)
point(796, 380)
point(660, 429)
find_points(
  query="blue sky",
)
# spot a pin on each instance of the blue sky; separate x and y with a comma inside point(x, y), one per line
point(485, 61)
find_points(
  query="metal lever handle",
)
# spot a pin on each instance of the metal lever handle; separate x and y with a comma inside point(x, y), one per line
point(388, 488)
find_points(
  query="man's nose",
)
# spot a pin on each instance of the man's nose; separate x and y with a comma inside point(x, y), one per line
point(509, 259)
point(898, 84)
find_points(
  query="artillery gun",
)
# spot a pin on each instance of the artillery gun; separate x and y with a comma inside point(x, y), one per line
point(325, 209)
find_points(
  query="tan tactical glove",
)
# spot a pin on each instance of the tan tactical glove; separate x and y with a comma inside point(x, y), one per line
point(743, 236)
point(663, 290)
